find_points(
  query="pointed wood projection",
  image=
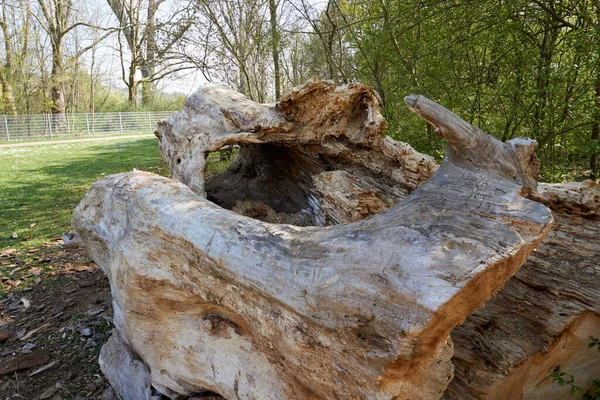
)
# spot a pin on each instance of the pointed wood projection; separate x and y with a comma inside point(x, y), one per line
point(207, 299)
point(543, 318)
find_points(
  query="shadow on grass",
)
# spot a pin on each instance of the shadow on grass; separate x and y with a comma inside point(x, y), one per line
point(44, 185)
point(105, 159)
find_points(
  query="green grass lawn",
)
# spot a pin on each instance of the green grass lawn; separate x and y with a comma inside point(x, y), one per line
point(42, 184)
point(72, 136)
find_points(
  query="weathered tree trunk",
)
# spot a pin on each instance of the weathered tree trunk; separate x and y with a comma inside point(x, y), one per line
point(59, 109)
point(132, 85)
point(275, 47)
point(542, 320)
point(7, 72)
point(285, 151)
point(57, 15)
point(148, 66)
point(208, 300)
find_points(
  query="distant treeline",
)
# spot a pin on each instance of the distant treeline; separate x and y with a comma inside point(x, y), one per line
point(513, 67)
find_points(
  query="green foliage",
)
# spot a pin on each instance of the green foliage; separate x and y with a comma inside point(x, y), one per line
point(593, 393)
point(568, 380)
point(564, 379)
point(595, 342)
point(511, 68)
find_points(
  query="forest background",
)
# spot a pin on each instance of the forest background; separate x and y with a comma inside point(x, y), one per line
point(512, 67)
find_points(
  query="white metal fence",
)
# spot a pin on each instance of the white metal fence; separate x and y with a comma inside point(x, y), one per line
point(51, 126)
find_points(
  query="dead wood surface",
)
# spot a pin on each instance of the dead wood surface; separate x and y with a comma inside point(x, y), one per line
point(24, 361)
point(543, 318)
point(211, 300)
point(287, 150)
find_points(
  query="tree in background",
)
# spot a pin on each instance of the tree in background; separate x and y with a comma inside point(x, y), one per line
point(526, 68)
point(15, 40)
point(235, 39)
point(149, 42)
point(58, 20)
point(515, 68)
point(327, 48)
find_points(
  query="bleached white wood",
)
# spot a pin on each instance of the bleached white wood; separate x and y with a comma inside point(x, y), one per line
point(213, 300)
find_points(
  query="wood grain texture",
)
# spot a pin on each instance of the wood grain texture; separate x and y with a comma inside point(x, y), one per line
point(24, 361)
point(543, 318)
point(213, 300)
point(287, 148)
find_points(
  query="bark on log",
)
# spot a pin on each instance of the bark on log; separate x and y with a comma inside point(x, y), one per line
point(543, 318)
point(214, 301)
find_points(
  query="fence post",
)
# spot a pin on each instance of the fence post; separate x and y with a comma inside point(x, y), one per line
point(87, 121)
point(149, 121)
point(121, 123)
point(6, 127)
point(50, 121)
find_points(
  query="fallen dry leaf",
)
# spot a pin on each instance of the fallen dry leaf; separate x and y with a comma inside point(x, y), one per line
point(37, 330)
point(49, 393)
point(81, 268)
point(7, 252)
point(4, 336)
point(17, 270)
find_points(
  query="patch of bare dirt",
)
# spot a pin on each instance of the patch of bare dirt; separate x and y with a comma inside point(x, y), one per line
point(52, 324)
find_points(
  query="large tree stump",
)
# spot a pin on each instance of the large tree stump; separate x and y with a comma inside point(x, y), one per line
point(542, 320)
point(318, 157)
point(210, 300)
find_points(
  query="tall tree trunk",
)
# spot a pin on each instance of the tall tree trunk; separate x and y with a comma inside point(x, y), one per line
point(9, 95)
point(128, 14)
point(275, 47)
point(148, 66)
point(57, 15)
point(92, 89)
point(547, 48)
point(329, 42)
point(6, 75)
point(147, 86)
point(59, 110)
point(132, 85)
